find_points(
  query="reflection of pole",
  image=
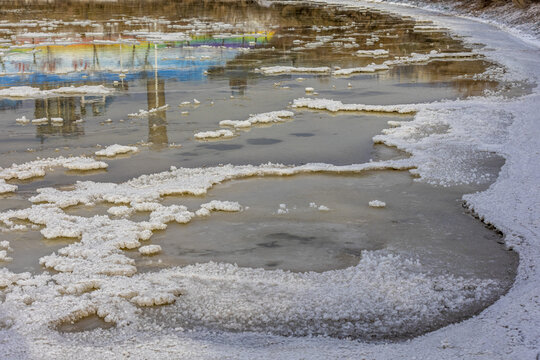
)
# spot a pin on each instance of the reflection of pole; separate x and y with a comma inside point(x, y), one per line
point(156, 70)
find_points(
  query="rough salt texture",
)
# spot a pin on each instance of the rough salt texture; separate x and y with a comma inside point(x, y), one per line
point(263, 118)
point(217, 134)
point(31, 92)
point(334, 106)
point(116, 149)
point(39, 167)
point(414, 58)
point(150, 249)
point(372, 53)
point(144, 113)
point(276, 70)
point(377, 204)
point(7, 188)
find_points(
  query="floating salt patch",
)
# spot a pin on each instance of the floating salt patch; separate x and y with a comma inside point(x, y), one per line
point(7, 188)
point(30, 92)
point(150, 249)
point(323, 208)
point(393, 123)
point(57, 121)
point(116, 149)
point(120, 211)
point(309, 90)
point(4, 245)
point(217, 205)
point(377, 204)
point(371, 68)
point(144, 113)
point(4, 256)
point(185, 103)
point(22, 120)
point(262, 118)
point(37, 167)
point(217, 134)
point(334, 106)
point(275, 70)
point(372, 53)
point(184, 113)
point(196, 102)
point(40, 121)
point(282, 209)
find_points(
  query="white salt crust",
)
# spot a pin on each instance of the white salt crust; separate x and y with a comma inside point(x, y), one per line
point(144, 113)
point(414, 58)
point(217, 134)
point(31, 92)
point(39, 167)
point(150, 249)
point(377, 204)
point(334, 106)
point(263, 118)
point(218, 205)
point(116, 149)
point(507, 330)
point(276, 70)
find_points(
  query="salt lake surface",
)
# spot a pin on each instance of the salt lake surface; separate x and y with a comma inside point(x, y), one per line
point(177, 70)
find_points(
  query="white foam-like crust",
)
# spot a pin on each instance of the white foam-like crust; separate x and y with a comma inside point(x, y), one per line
point(216, 134)
point(22, 120)
point(263, 118)
point(217, 205)
point(508, 329)
point(7, 188)
point(414, 58)
point(120, 211)
point(145, 113)
point(372, 53)
point(116, 149)
point(150, 249)
point(38, 167)
point(31, 92)
point(377, 204)
point(192, 181)
point(277, 70)
point(334, 106)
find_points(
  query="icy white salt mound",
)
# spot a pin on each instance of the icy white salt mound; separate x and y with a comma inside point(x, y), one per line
point(372, 53)
point(377, 204)
point(40, 121)
point(217, 205)
point(263, 118)
point(384, 295)
point(334, 106)
point(217, 134)
point(38, 167)
point(30, 92)
point(147, 189)
point(4, 256)
point(150, 249)
point(414, 58)
point(120, 211)
point(116, 149)
point(371, 68)
point(22, 120)
point(144, 113)
point(276, 70)
point(7, 188)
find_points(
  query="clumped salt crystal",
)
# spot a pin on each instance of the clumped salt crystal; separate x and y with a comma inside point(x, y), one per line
point(22, 120)
point(150, 249)
point(262, 118)
point(116, 149)
point(377, 204)
point(217, 134)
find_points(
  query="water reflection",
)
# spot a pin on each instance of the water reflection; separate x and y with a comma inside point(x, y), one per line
point(154, 49)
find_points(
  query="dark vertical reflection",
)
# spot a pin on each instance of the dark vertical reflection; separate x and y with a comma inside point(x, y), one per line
point(157, 120)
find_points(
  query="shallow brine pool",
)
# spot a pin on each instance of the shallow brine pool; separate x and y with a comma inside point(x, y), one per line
point(118, 212)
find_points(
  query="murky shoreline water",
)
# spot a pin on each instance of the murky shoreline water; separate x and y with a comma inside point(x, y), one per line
point(211, 52)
